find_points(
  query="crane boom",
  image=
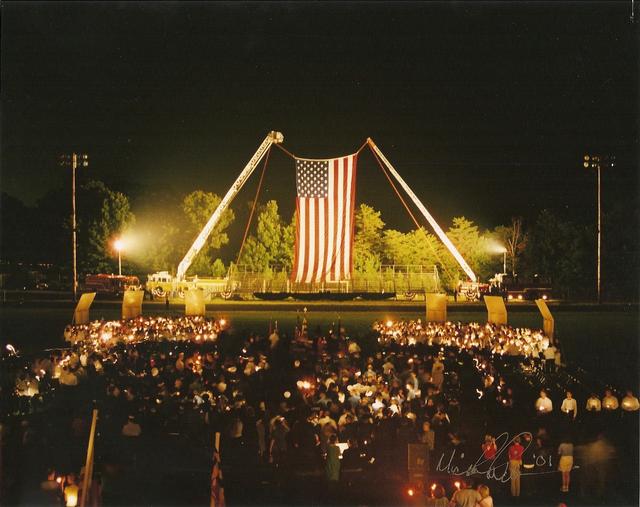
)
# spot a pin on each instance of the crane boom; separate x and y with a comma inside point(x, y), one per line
point(438, 230)
point(272, 138)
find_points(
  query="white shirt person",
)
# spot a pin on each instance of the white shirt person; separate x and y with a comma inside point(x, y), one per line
point(569, 405)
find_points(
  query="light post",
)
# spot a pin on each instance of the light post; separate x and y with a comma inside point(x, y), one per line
point(597, 162)
point(74, 161)
point(118, 244)
point(496, 248)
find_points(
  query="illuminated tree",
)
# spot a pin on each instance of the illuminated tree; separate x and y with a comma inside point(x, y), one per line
point(198, 206)
point(368, 240)
point(107, 215)
point(273, 243)
point(513, 239)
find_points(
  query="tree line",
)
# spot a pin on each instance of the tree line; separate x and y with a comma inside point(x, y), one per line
point(552, 245)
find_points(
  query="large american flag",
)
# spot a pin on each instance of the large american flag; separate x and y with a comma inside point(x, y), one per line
point(324, 237)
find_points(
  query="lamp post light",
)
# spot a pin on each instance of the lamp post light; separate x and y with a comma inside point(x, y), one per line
point(597, 162)
point(74, 160)
point(119, 245)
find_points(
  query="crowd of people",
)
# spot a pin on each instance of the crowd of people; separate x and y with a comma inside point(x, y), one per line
point(467, 392)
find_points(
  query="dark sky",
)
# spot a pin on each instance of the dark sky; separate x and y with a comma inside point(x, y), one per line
point(485, 108)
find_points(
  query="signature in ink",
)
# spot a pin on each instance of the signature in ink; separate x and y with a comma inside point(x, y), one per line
point(494, 468)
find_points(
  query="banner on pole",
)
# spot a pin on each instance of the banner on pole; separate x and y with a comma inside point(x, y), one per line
point(194, 302)
point(436, 307)
point(132, 304)
point(81, 313)
point(496, 309)
point(548, 322)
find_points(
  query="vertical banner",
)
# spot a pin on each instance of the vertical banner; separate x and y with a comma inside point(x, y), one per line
point(436, 307)
point(194, 302)
point(132, 304)
point(496, 310)
point(81, 313)
point(548, 322)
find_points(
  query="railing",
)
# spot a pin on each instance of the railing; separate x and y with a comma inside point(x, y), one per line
point(390, 278)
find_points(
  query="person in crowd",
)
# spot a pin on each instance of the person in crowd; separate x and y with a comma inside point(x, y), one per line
point(569, 406)
point(332, 463)
point(71, 491)
point(437, 373)
point(515, 461)
point(630, 402)
point(428, 438)
point(544, 405)
point(609, 401)
point(593, 403)
point(131, 428)
point(466, 496)
point(436, 497)
point(565, 464)
point(278, 447)
point(489, 448)
point(549, 359)
point(485, 493)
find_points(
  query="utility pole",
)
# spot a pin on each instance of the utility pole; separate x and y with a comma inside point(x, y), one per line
point(597, 162)
point(74, 160)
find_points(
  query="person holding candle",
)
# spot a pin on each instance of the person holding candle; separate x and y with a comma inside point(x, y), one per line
point(569, 407)
point(71, 491)
point(544, 405)
point(593, 403)
point(609, 402)
point(630, 402)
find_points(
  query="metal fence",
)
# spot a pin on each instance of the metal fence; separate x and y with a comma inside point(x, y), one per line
point(390, 278)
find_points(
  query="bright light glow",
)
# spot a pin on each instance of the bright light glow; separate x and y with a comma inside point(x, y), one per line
point(223, 322)
point(495, 247)
point(410, 492)
point(544, 296)
point(510, 296)
point(119, 244)
point(389, 323)
point(287, 394)
point(434, 486)
point(457, 484)
point(520, 297)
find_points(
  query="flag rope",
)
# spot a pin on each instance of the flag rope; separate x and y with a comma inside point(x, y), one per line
point(415, 221)
point(286, 151)
point(253, 207)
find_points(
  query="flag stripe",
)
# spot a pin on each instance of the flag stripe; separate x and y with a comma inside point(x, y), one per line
point(326, 195)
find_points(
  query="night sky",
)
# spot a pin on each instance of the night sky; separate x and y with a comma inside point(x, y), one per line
point(486, 109)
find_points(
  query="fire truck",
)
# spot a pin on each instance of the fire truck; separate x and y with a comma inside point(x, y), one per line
point(162, 285)
point(510, 287)
point(110, 285)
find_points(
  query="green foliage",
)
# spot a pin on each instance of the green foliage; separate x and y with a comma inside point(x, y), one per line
point(558, 248)
point(513, 239)
point(368, 240)
point(198, 206)
point(472, 245)
point(414, 248)
point(109, 217)
point(273, 243)
point(218, 269)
